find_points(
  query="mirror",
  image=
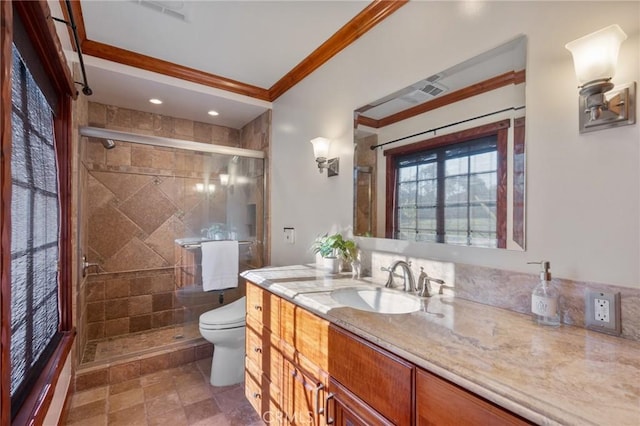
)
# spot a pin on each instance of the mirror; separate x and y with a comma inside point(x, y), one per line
point(443, 159)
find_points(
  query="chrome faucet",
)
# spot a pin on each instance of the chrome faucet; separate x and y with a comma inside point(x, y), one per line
point(409, 283)
point(424, 284)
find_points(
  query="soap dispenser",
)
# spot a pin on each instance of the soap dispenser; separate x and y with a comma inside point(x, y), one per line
point(545, 298)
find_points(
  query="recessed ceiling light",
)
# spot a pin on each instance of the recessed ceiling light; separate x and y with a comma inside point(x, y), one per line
point(155, 101)
point(213, 113)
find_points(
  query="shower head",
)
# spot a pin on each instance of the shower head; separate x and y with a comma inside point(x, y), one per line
point(108, 143)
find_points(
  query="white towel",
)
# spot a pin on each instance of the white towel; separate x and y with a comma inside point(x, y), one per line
point(219, 265)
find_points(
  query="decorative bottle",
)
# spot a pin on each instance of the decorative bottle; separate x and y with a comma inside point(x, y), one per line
point(545, 298)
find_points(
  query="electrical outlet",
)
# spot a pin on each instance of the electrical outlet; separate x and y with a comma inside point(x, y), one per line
point(602, 312)
point(290, 235)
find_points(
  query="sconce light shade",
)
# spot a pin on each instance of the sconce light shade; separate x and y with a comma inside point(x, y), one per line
point(595, 58)
point(320, 147)
point(321, 152)
point(224, 179)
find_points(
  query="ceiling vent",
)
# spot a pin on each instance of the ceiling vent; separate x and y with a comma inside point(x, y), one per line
point(433, 89)
point(426, 93)
point(175, 9)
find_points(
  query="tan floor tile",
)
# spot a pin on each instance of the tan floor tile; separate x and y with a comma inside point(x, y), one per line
point(100, 420)
point(85, 397)
point(231, 398)
point(188, 379)
point(86, 411)
point(163, 403)
point(197, 392)
point(242, 415)
point(154, 378)
point(175, 417)
point(132, 416)
point(126, 399)
point(201, 410)
point(158, 389)
point(217, 420)
point(124, 386)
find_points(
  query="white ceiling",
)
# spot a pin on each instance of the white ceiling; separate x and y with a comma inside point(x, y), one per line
point(253, 42)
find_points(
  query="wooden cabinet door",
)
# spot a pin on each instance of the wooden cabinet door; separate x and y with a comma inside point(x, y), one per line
point(343, 408)
point(441, 403)
point(380, 379)
point(303, 397)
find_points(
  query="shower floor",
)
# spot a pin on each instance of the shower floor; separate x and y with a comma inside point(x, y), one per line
point(131, 345)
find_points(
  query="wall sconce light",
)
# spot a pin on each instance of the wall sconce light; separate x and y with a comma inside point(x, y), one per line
point(210, 188)
point(321, 152)
point(224, 179)
point(595, 57)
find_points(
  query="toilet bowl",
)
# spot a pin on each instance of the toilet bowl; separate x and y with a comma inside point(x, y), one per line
point(225, 328)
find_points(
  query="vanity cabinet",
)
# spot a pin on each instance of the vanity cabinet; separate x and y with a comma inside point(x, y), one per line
point(286, 360)
point(376, 386)
point(264, 364)
point(441, 403)
point(301, 370)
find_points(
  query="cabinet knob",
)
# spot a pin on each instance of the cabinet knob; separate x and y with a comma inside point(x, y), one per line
point(257, 307)
point(257, 349)
point(256, 395)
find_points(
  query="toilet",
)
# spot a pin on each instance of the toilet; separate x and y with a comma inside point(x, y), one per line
point(225, 328)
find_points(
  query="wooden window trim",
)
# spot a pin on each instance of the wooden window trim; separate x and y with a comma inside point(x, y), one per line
point(36, 17)
point(6, 30)
point(499, 128)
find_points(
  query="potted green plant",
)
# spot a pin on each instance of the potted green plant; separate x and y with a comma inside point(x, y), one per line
point(333, 249)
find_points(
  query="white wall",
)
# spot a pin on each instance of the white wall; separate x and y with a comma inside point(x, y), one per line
point(583, 191)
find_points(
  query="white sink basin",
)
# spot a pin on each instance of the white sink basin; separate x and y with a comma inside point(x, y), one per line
point(379, 300)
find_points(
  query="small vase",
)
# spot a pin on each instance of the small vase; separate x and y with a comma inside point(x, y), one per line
point(331, 265)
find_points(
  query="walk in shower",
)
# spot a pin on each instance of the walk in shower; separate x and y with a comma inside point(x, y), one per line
point(146, 204)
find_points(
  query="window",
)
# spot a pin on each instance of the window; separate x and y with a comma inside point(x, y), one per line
point(34, 232)
point(35, 135)
point(450, 189)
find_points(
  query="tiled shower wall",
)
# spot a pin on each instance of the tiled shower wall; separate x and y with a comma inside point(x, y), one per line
point(135, 200)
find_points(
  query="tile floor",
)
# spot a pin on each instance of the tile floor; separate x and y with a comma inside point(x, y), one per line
point(176, 397)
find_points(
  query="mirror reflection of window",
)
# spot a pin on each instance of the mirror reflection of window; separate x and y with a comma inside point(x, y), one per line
point(448, 189)
point(482, 206)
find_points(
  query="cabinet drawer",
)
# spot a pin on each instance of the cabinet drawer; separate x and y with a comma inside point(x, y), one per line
point(262, 349)
point(441, 403)
point(304, 333)
point(380, 379)
point(263, 307)
point(264, 396)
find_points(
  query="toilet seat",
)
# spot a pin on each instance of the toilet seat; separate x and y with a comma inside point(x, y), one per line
point(225, 317)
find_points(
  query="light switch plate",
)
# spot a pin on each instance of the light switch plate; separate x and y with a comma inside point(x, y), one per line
point(602, 312)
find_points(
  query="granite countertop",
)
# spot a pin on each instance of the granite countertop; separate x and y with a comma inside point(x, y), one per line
point(565, 375)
